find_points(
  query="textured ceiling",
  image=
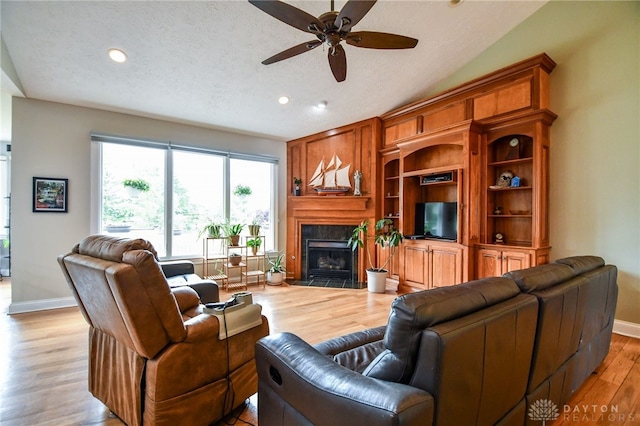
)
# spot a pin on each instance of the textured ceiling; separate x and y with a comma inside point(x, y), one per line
point(199, 61)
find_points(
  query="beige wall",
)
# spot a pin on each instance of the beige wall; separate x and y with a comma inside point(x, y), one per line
point(595, 162)
point(52, 140)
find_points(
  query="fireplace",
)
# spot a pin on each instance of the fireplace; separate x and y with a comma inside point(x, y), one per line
point(330, 259)
point(325, 253)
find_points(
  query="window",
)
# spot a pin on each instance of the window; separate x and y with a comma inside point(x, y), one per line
point(167, 194)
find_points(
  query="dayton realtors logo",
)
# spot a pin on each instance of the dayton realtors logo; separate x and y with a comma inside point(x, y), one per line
point(543, 410)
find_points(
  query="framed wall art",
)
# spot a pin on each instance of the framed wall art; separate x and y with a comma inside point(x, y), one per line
point(50, 195)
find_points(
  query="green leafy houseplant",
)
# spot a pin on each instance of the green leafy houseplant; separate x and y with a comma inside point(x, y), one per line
point(254, 243)
point(276, 264)
point(139, 184)
point(232, 231)
point(385, 235)
point(212, 229)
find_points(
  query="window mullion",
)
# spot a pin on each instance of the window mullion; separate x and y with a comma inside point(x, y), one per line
point(227, 187)
point(168, 201)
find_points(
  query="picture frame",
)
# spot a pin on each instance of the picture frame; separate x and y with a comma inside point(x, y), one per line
point(50, 195)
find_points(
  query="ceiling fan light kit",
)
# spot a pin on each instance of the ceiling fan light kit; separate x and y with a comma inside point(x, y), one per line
point(331, 28)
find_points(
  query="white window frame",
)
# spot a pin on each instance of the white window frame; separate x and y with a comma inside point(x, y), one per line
point(96, 180)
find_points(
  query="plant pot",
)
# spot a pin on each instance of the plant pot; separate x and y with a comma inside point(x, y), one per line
point(254, 250)
point(254, 230)
point(275, 278)
point(376, 281)
point(234, 240)
point(235, 260)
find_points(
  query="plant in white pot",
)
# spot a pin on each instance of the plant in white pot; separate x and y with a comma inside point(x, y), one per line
point(275, 274)
point(385, 234)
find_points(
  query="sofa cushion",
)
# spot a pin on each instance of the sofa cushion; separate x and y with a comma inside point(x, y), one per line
point(541, 277)
point(412, 313)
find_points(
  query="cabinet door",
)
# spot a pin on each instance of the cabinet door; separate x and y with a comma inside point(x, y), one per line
point(415, 266)
point(446, 266)
point(489, 263)
point(514, 260)
point(394, 264)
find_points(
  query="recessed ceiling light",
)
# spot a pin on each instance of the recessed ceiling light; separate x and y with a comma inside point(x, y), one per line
point(283, 100)
point(117, 55)
point(455, 2)
point(322, 104)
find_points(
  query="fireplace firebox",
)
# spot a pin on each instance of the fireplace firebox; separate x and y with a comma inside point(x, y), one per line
point(330, 259)
point(325, 253)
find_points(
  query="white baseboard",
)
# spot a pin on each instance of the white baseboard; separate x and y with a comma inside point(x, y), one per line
point(625, 328)
point(41, 305)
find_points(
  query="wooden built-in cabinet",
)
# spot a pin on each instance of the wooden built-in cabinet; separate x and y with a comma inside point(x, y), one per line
point(428, 264)
point(465, 134)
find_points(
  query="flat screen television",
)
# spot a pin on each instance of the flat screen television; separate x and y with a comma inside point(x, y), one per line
point(437, 220)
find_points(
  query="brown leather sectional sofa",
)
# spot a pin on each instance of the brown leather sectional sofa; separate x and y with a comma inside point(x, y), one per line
point(487, 352)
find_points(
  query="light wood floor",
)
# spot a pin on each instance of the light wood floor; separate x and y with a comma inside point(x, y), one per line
point(43, 372)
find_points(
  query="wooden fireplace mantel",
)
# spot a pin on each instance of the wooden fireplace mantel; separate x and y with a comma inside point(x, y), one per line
point(357, 144)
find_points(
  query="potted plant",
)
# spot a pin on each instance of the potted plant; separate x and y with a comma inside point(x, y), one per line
point(135, 186)
point(385, 235)
point(254, 243)
point(235, 259)
point(296, 186)
point(275, 274)
point(211, 229)
point(232, 231)
point(254, 228)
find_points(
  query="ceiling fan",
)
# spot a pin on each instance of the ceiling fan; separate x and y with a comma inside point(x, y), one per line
point(331, 28)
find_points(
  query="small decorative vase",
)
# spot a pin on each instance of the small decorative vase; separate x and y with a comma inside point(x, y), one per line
point(296, 191)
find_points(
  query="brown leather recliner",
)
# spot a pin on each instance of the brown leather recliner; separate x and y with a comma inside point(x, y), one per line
point(153, 357)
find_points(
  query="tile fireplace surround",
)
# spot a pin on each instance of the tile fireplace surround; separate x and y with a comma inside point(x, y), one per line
point(329, 218)
point(325, 254)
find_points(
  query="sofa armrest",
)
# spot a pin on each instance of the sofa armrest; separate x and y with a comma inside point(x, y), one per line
point(177, 267)
point(186, 297)
point(296, 381)
point(351, 341)
point(356, 350)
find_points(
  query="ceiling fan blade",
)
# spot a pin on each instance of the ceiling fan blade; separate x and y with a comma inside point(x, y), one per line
point(338, 63)
point(375, 40)
point(295, 50)
point(352, 13)
point(290, 15)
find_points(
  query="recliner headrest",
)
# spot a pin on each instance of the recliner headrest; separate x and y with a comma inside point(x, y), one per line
point(431, 307)
point(541, 277)
point(111, 248)
point(582, 264)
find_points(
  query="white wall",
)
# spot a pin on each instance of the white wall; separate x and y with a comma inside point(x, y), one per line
point(595, 142)
point(52, 140)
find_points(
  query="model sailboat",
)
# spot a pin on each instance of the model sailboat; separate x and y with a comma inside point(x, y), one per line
point(332, 179)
